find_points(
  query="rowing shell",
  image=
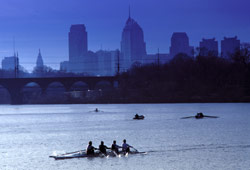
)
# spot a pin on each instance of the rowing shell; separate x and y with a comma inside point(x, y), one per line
point(81, 154)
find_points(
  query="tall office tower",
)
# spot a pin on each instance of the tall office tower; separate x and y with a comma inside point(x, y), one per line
point(229, 46)
point(78, 47)
point(39, 61)
point(180, 44)
point(209, 47)
point(133, 47)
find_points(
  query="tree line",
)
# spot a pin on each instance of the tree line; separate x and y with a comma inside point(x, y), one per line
point(190, 79)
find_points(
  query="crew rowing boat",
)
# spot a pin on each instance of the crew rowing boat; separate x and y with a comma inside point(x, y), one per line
point(82, 154)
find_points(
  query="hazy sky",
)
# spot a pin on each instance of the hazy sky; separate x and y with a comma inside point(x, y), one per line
point(45, 24)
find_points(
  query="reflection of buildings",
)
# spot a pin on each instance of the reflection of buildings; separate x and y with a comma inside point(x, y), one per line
point(180, 44)
point(209, 47)
point(133, 47)
point(229, 46)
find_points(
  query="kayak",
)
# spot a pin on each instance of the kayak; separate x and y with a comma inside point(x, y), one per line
point(81, 154)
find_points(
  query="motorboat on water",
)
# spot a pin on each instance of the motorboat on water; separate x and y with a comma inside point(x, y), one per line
point(138, 117)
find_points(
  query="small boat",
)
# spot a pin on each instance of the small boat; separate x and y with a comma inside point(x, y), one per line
point(199, 115)
point(138, 117)
point(82, 154)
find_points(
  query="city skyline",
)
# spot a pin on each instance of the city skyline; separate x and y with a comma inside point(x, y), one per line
point(46, 27)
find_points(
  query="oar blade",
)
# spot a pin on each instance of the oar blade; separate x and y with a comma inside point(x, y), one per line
point(188, 117)
point(211, 116)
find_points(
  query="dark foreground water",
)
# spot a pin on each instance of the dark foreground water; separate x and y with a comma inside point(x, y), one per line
point(29, 134)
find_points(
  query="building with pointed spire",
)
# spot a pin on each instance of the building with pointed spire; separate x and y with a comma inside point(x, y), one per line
point(39, 61)
point(133, 47)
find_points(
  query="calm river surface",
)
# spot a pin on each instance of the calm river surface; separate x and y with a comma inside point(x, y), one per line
point(29, 134)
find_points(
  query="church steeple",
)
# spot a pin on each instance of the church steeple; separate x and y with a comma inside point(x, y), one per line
point(39, 61)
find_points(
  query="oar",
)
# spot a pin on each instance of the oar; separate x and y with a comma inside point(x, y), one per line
point(117, 155)
point(211, 116)
point(187, 117)
point(134, 149)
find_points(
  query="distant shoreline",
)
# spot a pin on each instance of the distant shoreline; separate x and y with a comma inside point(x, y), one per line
point(129, 103)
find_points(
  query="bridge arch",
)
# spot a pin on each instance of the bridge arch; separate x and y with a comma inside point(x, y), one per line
point(103, 85)
point(55, 93)
point(79, 86)
point(55, 85)
point(31, 93)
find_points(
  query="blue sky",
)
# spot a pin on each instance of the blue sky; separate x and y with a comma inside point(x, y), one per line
point(45, 24)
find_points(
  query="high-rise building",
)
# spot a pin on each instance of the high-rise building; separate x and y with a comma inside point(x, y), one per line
point(10, 63)
point(78, 48)
point(229, 46)
point(106, 62)
point(133, 47)
point(39, 61)
point(209, 47)
point(180, 44)
point(78, 45)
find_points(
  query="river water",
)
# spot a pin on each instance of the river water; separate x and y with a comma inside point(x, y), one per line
point(29, 134)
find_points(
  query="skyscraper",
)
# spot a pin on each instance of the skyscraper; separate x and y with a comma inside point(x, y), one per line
point(78, 47)
point(39, 61)
point(229, 46)
point(180, 44)
point(209, 47)
point(78, 44)
point(133, 47)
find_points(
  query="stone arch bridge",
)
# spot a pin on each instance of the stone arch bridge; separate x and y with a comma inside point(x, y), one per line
point(15, 85)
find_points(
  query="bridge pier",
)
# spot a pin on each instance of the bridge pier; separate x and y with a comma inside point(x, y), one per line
point(16, 97)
